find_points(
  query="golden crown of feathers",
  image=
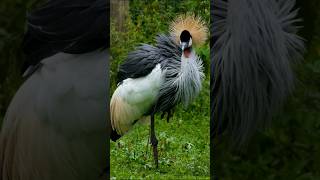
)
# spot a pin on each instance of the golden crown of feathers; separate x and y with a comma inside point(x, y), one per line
point(195, 25)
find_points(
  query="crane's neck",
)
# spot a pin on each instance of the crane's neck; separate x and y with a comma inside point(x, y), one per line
point(189, 78)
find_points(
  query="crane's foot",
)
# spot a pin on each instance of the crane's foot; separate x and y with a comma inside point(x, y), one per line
point(154, 143)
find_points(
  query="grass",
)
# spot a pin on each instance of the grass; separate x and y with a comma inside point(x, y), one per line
point(183, 146)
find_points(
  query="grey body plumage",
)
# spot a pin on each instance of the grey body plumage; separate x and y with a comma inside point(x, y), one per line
point(180, 84)
point(254, 44)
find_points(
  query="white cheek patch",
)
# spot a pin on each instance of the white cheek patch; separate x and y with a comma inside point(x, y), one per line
point(190, 42)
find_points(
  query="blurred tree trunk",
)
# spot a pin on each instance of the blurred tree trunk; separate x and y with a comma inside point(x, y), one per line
point(119, 13)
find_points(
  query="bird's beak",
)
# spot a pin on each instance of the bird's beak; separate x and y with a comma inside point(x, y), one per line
point(185, 49)
point(183, 45)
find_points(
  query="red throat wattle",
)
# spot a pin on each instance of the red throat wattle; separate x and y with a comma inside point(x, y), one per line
point(187, 52)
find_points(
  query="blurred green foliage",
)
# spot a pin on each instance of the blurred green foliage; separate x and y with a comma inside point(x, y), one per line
point(12, 28)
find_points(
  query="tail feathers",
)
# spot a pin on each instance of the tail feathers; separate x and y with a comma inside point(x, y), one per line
point(254, 45)
point(123, 115)
point(118, 115)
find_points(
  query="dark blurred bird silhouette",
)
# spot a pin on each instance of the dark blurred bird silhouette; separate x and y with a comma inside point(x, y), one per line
point(154, 79)
point(56, 124)
point(253, 46)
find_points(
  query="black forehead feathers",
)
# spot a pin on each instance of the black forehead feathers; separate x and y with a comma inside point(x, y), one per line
point(185, 36)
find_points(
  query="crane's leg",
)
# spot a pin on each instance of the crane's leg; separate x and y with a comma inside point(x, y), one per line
point(154, 141)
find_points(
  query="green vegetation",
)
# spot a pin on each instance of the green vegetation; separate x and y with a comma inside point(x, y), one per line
point(184, 141)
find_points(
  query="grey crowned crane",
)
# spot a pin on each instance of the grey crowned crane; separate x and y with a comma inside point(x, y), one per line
point(254, 43)
point(154, 79)
point(56, 124)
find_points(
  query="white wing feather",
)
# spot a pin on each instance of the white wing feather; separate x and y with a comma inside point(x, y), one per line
point(133, 98)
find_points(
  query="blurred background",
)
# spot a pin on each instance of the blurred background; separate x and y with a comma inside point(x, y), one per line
point(12, 25)
point(290, 148)
point(184, 141)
